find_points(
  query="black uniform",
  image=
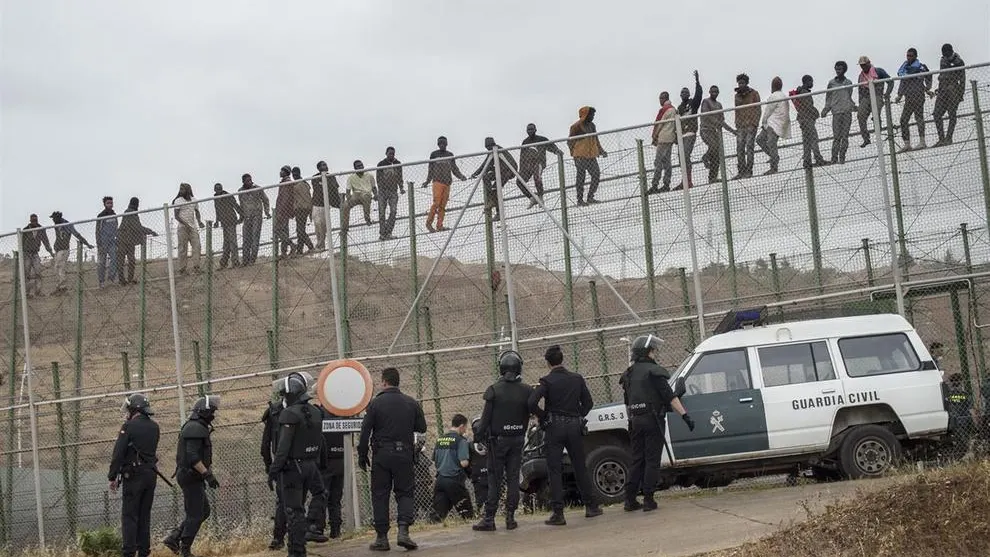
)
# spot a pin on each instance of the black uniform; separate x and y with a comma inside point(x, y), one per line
point(135, 456)
point(503, 428)
point(269, 442)
point(388, 427)
point(332, 475)
point(567, 401)
point(300, 443)
point(478, 471)
point(194, 446)
point(647, 396)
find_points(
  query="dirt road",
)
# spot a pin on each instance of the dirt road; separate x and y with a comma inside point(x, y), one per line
point(682, 527)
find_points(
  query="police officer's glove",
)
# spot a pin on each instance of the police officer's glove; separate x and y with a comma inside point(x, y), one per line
point(272, 476)
point(211, 480)
point(690, 423)
point(363, 462)
point(271, 484)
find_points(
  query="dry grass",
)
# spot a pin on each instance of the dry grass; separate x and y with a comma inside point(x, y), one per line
point(937, 513)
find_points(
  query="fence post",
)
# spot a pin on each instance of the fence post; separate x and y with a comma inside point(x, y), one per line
point(437, 408)
point(869, 262)
point(816, 244)
point(506, 258)
point(344, 312)
point(198, 363)
point(144, 317)
point(882, 162)
point(275, 295)
point(70, 500)
point(727, 217)
point(32, 409)
point(644, 201)
point(775, 277)
point(414, 278)
point(974, 309)
point(125, 370)
point(687, 306)
point(272, 359)
point(209, 297)
point(175, 311)
point(568, 272)
point(600, 336)
point(490, 261)
point(8, 502)
point(981, 138)
point(689, 213)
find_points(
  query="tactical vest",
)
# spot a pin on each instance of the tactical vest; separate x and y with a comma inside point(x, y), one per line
point(640, 390)
point(308, 430)
point(194, 430)
point(510, 409)
point(274, 410)
point(334, 441)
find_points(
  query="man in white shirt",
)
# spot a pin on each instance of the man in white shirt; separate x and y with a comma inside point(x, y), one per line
point(187, 217)
point(360, 191)
point(776, 123)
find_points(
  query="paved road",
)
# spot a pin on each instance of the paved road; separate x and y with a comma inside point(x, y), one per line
point(682, 527)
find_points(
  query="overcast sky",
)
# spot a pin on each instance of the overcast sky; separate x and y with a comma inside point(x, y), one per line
point(128, 97)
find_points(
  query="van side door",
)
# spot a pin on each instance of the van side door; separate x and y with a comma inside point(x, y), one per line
point(726, 407)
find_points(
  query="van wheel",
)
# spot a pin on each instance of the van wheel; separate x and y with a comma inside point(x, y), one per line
point(868, 451)
point(608, 467)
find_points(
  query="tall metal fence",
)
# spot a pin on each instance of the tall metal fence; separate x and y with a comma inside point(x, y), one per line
point(613, 247)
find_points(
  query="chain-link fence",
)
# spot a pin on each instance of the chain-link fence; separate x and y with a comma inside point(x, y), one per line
point(794, 200)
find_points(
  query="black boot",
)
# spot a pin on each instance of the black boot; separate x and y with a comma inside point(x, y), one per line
point(315, 534)
point(591, 511)
point(172, 541)
point(556, 519)
point(381, 542)
point(632, 505)
point(334, 531)
point(649, 504)
point(486, 524)
point(403, 538)
point(185, 548)
point(510, 520)
point(276, 544)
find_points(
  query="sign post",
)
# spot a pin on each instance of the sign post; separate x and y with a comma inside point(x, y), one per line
point(344, 388)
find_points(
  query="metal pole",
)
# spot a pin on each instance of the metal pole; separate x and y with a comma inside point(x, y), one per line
point(8, 502)
point(504, 225)
point(687, 306)
point(982, 147)
point(881, 160)
point(974, 309)
point(125, 371)
point(276, 246)
point(602, 353)
point(903, 259)
point(568, 276)
point(727, 217)
point(436, 261)
point(175, 312)
point(33, 411)
point(775, 277)
point(209, 298)
point(584, 255)
point(414, 277)
point(143, 287)
point(644, 202)
point(198, 366)
point(437, 408)
point(70, 503)
point(689, 213)
point(490, 262)
point(816, 244)
point(869, 262)
point(345, 316)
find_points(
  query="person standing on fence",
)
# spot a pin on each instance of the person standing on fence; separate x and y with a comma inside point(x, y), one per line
point(711, 133)
point(390, 185)
point(664, 137)
point(254, 203)
point(285, 209)
point(187, 218)
point(688, 107)
point(133, 467)
point(440, 173)
point(320, 205)
point(478, 469)
point(452, 457)
point(193, 459)
point(951, 89)
point(106, 243)
point(229, 215)
point(807, 117)
point(585, 152)
point(776, 124)
point(532, 162)
point(389, 426)
point(304, 210)
point(332, 474)
point(838, 101)
point(502, 428)
point(295, 467)
point(507, 169)
point(567, 401)
point(361, 190)
point(31, 243)
point(867, 75)
point(747, 120)
point(64, 231)
point(648, 397)
point(132, 234)
point(913, 91)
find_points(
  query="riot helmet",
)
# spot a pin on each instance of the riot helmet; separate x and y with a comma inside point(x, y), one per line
point(136, 402)
point(205, 407)
point(643, 345)
point(479, 446)
point(510, 364)
point(296, 388)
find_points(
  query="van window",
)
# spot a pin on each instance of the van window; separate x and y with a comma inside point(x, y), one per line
point(878, 355)
point(795, 363)
point(719, 372)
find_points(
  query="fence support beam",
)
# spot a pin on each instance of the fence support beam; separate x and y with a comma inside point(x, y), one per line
point(644, 201)
point(689, 214)
point(870, 280)
point(414, 280)
point(142, 347)
point(175, 311)
point(981, 139)
point(568, 271)
point(816, 244)
point(727, 217)
point(506, 260)
point(974, 311)
point(881, 160)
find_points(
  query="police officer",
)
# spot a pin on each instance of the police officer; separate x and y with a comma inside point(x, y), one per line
point(193, 458)
point(332, 474)
point(294, 467)
point(452, 457)
point(959, 406)
point(503, 427)
point(269, 442)
point(478, 470)
point(135, 455)
point(566, 402)
point(648, 396)
point(388, 427)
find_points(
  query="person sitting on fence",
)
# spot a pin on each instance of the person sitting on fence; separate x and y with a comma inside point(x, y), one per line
point(361, 190)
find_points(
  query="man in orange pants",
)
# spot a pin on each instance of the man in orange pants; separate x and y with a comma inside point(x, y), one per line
point(439, 174)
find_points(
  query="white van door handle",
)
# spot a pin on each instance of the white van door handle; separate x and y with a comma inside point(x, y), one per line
point(828, 391)
point(747, 399)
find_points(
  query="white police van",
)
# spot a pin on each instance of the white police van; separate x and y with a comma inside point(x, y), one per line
point(841, 397)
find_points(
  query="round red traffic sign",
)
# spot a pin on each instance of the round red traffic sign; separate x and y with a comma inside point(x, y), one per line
point(344, 388)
